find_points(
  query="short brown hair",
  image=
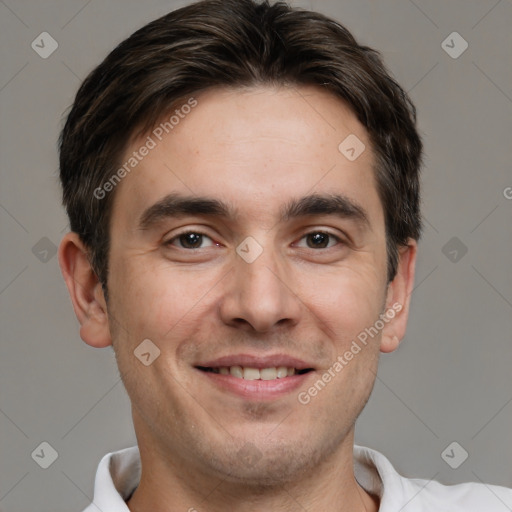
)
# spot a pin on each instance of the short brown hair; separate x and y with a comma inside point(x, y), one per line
point(233, 43)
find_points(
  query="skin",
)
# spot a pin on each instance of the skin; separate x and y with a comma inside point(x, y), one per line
point(257, 149)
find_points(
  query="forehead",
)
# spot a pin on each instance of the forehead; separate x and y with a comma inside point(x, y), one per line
point(254, 148)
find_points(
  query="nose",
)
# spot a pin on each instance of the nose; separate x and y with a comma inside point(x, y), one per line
point(260, 296)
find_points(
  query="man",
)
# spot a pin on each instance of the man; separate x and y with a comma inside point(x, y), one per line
point(242, 182)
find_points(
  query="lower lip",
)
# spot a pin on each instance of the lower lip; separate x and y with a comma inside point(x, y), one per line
point(257, 389)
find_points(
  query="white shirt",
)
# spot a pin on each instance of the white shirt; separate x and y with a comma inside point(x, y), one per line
point(119, 473)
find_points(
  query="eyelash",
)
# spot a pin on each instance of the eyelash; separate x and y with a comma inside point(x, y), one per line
point(194, 232)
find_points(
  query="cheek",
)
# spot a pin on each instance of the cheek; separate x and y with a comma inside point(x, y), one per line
point(156, 301)
point(151, 302)
point(347, 301)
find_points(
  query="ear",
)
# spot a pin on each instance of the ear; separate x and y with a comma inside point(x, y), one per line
point(398, 298)
point(85, 290)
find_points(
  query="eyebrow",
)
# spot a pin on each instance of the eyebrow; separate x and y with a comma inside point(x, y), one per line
point(178, 205)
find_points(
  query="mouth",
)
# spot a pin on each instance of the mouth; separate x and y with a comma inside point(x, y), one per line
point(250, 373)
point(256, 378)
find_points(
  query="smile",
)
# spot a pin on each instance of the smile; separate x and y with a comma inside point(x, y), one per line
point(249, 373)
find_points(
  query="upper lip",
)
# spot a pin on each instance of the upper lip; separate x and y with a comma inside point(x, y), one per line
point(254, 361)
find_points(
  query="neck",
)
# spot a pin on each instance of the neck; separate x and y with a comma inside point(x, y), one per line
point(169, 484)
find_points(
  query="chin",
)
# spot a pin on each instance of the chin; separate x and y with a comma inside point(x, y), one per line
point(263, 465)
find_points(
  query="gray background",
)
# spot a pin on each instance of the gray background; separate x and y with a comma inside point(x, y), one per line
point(450, 379)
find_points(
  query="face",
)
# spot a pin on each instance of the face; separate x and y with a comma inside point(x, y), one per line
point(253, 295)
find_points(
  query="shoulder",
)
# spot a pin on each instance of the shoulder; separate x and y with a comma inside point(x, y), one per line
point(422, 495)
point(465, 497)
point(117, 476)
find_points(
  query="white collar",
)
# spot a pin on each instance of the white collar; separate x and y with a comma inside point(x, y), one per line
point(119, 474)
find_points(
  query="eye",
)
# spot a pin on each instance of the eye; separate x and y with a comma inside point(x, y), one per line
point(190, 240)
point(320, 240)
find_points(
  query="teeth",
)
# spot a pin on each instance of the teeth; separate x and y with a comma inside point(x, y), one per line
point(268, 373)
point(237, 371)
point(249, 373)
point(282, 371)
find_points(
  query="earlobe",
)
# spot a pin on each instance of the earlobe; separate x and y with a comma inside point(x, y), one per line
point(85, 291)
point(389, 343)
point(398, 298)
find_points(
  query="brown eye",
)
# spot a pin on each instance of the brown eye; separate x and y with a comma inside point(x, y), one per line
point(189, 240)
point(320, 240)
